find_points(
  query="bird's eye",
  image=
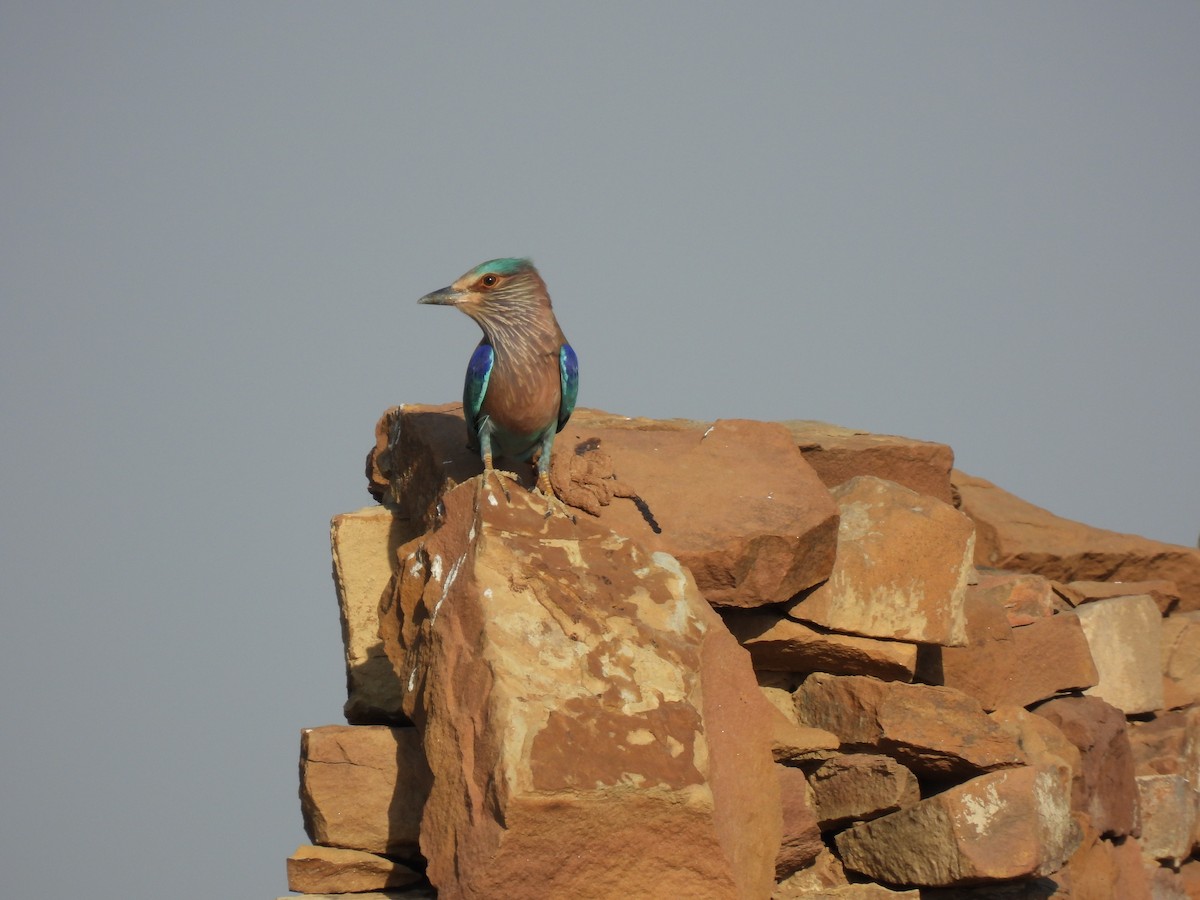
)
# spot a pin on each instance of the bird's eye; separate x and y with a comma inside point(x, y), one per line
point(489, 280)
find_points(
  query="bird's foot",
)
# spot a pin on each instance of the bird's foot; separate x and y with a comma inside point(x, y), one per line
point(552, 499)
point(500, 475)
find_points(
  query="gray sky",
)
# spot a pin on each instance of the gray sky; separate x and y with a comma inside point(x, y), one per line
point(970, 223)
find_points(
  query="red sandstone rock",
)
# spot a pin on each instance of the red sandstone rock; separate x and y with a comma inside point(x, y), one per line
point(1102, 869)
point(1165, 594)
point(857, 787)
point(733, 501)
point(1168, 745)
point(1043, 744)
point(934, 731)
point(1125, 640)
point(839, 454)
point(903, 561)
point(1010, 824)
point(315, 870)
point(777, 643)
point(363, 787)
point(801, 841)
point(1104, 788)
point(1015, 534)
point(1170, 811)
point(1025, 598)
point(1180, 660)
point(577, 698)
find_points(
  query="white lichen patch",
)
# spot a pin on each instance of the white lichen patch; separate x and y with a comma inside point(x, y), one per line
point(639, 737)
point(980, 808)
point(856, 522)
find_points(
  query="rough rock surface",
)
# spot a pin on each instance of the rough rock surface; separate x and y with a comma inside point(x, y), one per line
point(839, 454)
point(1125, 639)
point(1180, 660)
point(856, 787)
point(522, 638)
point(733, 501)
point(363, 787)
point(903, 562)
point(1002, 665)
point(777, 643)
point(1165, 594)
point(934, 731)
point(801, 842)
point(1015, 534)
point(1004, 825)
point(315, 870)
point(1103, 787)
point(1025, 598)
point(363, 544)
point(1170, 808)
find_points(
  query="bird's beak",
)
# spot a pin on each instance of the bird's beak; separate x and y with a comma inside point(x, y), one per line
point(447, 296)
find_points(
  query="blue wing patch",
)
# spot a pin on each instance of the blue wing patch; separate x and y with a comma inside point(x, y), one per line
point(479, 371)
point(568, 370)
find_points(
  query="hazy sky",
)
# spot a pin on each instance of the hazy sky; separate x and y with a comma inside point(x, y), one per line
point(976, 223)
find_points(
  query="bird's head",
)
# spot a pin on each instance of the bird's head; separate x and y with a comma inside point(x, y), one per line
point(495, 291)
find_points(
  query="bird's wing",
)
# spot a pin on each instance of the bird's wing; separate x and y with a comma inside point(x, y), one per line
point(568, 371)
point(479, 370)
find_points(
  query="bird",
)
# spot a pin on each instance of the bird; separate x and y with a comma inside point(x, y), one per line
point(523, 377)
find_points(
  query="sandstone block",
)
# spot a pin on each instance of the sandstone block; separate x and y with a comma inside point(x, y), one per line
point(860, 786)
point(1103, 786)
point(777, 643)
point(1180, 660)
point(903, 561)
point(364, 544)
point(1024, 598)
point(1039, 739)
point(1009, 824)
point(1169, 744)
point(1101, 868)
point(839, 454)
point(522, 638)
point(1170, 809)
point(1165, 594)
point(363, 787)
point(986, 667)
point(801, 842)
point(934, 731)
point(1015, 534)
point(316, 870)
point(1124, 635)
point(785, 890)
point(733, 501)
point(1053, 656)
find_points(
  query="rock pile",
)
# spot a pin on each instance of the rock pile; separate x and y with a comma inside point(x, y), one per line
point(746, 660)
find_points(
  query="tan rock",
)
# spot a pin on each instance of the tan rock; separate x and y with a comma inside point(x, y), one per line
point(839, 454)
point(364, 544)
point(823, 873)
point(1169, 744)
point(522, 638)
point(1010, 824)
point(1103, 787)
point(795, 744)
point(1189, 878)
point(934, 731)
point(1165, 882)
point(1014, 534)
point(1039, 739)
point(986, 667)
point(858, 891)
point(734, 501)
point(1165, 594)
point(315, 870)
point(778, 643)
point(801, 842)
point(860, 786)
point(1170, 810)
point(363, 787)
point(1053, 656)
point(1180, 660)
point(1124, 635)
point(903, 561)
point(1103, 869)
point(1024, 598)
point(419, 892)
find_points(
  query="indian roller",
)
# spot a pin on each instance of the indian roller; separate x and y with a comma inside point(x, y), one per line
point(523, 377)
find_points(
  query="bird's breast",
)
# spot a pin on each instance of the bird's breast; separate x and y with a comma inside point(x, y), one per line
point(524, 393)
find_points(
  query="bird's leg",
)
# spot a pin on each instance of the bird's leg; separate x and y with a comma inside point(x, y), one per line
point(543, 480)
point(485, 448)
